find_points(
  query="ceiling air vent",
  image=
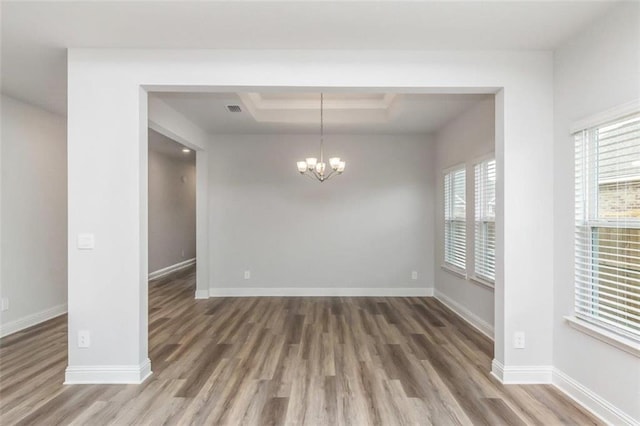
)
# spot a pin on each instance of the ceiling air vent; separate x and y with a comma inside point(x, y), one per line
point(234, 108)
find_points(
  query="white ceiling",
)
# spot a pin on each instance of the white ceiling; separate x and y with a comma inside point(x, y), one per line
point(36, 34)
point(299, 113)
point(163, 145)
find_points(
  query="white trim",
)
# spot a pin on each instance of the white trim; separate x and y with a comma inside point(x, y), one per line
point(460, 273)
point(108, 374)
point(522, 374)
point(497, 370)
point(320, 292)
point(458, 166)
point(478, 323)
point(482, 282)
point(527, 374)
point(604, 335)
point(605, 116)
point(31, 320)
point(590, 400)
point(202, 294)
point(475, 161)
point(172, 268)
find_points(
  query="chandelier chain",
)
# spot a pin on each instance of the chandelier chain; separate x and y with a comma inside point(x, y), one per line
point(321, 127)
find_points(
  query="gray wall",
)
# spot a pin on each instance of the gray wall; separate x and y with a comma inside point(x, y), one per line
point(369, 228)
point(467, 138)
point(34, 214)
point(597, 70)
point(172, 207)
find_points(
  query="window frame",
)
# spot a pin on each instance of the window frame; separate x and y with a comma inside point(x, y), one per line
point(479, 278)
point(587, 221)
point(452, 267)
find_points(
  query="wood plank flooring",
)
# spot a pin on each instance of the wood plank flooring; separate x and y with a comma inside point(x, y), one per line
point(282, 361)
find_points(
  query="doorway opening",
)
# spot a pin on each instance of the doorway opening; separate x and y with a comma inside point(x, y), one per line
point(171, 223)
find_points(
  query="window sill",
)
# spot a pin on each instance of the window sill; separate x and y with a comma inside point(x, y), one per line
point(482, 282)
point(613, 339)
point(455, 271)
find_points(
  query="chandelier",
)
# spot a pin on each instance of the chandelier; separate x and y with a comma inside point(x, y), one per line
point(318, 169)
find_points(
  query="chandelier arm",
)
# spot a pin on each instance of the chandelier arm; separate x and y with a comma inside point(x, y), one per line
point(317, 175)
point(308, 175)
point(330, 174)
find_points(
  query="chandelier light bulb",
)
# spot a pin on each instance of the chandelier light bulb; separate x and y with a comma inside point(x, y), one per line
point(341, 166)
point(302, 166)
point(311, 162)
point(334, 162)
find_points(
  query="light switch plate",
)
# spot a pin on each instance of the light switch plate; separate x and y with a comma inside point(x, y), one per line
point(247, 275)
point(414, 275)
point(86, 241)
point(4, 304)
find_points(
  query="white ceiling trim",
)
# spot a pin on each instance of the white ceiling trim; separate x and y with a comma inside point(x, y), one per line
point(269, 108)
point(267, 101)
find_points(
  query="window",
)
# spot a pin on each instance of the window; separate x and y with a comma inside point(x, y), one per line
point(455, 227)
point(607, 225)
point(485, 220)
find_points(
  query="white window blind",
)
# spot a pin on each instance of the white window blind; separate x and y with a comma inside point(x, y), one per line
point(607, 225)
point(455, 244)
point(485, 220)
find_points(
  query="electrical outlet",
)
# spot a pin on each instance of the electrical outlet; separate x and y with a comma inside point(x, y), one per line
point(4, 304)
point(414, 275)
point(518, 340)
point(84, 339)
point(182, 252)
point(247, 275)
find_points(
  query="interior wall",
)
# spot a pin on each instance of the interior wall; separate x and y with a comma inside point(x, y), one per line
point(467, 138)
point(34, 215)
point(597, 70)
point(362, 232)
point(172, 207)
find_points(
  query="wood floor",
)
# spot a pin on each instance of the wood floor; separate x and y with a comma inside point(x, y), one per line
point(273, 361)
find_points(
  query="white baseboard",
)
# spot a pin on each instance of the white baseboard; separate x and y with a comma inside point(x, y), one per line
point(107, 374)
point(31, 320)
point(522, 374)
point(202, 294)
point(318, 292)
point(169, 269)
point(497, 370)
point(591, 401)
point(464, 313)
point(572, 388)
